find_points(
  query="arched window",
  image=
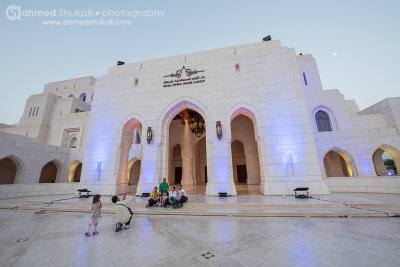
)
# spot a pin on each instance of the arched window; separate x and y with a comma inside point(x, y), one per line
point(72, 142)
point(83, 97)
point(323, 121)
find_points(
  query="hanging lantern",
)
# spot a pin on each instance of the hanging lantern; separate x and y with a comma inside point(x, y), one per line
point(149, 135)
point(197, 126)
point(219, 130)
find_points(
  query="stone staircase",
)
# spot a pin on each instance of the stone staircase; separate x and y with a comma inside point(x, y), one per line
point(314, 209)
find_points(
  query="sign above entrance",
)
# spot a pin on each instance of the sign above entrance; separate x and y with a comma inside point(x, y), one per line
point(184, 76)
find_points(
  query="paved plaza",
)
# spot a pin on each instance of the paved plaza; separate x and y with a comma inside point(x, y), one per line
point(56, 238)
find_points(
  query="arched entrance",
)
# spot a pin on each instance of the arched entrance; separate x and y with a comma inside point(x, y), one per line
point(201, 161)
point(187, 156)
point(176, 165)
point(10, 170)
point(239, 162)
point(48, 173)
point(245, 156)
point(130, 145)
point(134, 169)
point(386, 160)
point(338, 163)
point(74, 174)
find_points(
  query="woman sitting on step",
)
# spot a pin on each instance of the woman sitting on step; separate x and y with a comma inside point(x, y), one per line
point(153, 197)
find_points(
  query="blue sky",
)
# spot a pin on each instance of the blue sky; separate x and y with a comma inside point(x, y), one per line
point(365, 35)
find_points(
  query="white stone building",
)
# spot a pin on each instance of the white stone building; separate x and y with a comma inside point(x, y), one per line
point(247, 118)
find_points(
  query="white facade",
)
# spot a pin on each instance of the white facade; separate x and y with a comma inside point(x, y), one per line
point(265, 98)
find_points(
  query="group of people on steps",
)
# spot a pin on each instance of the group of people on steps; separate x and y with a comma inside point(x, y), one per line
point(162, 198)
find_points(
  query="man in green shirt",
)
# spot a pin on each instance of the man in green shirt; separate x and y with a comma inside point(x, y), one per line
point(164, 186)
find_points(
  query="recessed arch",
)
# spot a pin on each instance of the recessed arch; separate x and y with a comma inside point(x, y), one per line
point(379, 164)
point(163, 128)
point(74, 173)
point(246, 164)
point(238, 160)
point(127, 130)
point(11, 168)
point(339, 163)
point(254, 163)
point(175, 176)
point(201, 161)
point(133, 173)
point(50, 172)
point(179, 105)
point(73, 142)
point(247, 110)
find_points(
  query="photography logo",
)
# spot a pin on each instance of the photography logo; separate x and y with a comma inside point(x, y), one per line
point(13, 12)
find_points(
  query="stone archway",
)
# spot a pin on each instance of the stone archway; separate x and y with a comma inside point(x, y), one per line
point(338, 163)
point(239, 162)
point(49, 173)
point(245, 156)
point(187, 132)
point(133, 174)
point(175, 170)
point(173, 117)
point(168, 114)
point(392, 158)
point(129, 131)
point(74, 173)
point(10, 170)
point(201, 161)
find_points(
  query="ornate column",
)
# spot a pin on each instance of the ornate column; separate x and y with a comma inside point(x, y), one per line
point(187, 155)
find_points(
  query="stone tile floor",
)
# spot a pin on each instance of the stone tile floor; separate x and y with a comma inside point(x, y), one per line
point(56, 239)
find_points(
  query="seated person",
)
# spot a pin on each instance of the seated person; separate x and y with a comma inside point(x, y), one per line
point(182, 196)
point(165, 200)
point(164, 185)
point(152, 198)
point(159, 199)
point(123, 213)
point(173, 197)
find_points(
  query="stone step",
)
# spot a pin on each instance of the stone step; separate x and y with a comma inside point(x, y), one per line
point(187, 211)
point(230, 205)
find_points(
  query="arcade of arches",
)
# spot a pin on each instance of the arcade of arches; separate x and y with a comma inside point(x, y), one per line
point(338, 163)
point(10, 170)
